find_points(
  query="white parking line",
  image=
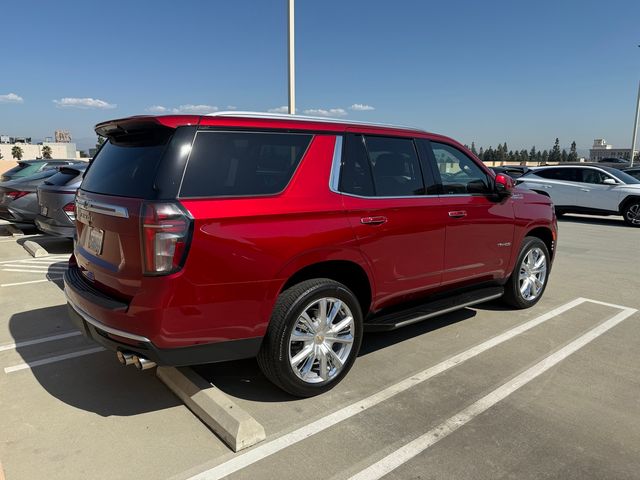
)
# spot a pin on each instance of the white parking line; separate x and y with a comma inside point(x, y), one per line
point(35, 341)
point(420, 444)
point(57, 257)
point(57, 358)
point(269, 448)
point(58, 277)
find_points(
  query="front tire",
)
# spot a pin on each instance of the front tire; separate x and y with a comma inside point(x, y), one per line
point(631, 213)
point(530, 275)
point(313, 337)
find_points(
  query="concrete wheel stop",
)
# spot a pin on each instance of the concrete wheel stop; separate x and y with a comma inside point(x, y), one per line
point(35, 250)
point(229, 421)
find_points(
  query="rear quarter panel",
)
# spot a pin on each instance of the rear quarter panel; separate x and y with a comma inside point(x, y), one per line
point(244, 249)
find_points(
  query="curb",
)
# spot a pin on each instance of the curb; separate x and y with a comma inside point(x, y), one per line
point(231, 423)
point(34, 249)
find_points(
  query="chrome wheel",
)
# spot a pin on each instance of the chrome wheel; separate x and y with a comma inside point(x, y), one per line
point(633, 214)
point(321, 340)
point(533, 274)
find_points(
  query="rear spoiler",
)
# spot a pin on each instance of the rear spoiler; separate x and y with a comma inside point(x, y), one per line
point(114, 129)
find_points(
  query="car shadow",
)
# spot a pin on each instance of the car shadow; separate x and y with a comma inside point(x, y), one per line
point(95, 382)
point(609, 221)
point(54, 274)
point(53, 245)
point(244, 379)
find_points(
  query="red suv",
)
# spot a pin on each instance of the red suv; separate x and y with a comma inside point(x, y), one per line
point(203, 239)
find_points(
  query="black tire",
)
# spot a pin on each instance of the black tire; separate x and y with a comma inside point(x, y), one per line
point(631, 212)
point(512, 294)
point(273, 357)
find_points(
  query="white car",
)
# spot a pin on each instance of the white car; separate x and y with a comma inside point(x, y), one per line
point(589, 189)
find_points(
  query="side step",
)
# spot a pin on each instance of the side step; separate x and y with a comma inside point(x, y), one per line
point(391, 321)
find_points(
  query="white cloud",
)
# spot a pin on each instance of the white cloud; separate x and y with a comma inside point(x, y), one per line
point(282, 109)
point(332, 112)
point(71, 102)
point(361, 107)
point(231, 107)
point(157, 109)
point(11, 98)
point(195, 109)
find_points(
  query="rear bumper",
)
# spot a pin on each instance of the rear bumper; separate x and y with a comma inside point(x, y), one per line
point(117, 339)
point(47, 225)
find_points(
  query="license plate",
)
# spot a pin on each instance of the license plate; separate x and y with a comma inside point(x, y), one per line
point(44, 210)
point(96, 236)
point(83, 215)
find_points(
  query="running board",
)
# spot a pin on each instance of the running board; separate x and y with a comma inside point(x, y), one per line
point(391, 321)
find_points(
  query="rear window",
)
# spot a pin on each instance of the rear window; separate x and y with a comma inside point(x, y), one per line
point(25, 169)
point(125, 169)
point(242, 163)
point(63, 177)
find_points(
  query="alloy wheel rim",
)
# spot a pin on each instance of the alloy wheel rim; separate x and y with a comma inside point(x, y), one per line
point(533, 274)
point(633, 214)
point(321, 340)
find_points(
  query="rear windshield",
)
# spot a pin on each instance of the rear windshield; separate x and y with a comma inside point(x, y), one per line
point(24, 170)
point(125, 169)
point(63, 177)
point(242, 163)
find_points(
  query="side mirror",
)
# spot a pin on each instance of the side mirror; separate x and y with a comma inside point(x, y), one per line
point(609, 181)
point(503, 185)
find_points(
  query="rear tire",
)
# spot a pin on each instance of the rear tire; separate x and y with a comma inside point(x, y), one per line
point(631, 212)
point(530, 275)
point(313, 337)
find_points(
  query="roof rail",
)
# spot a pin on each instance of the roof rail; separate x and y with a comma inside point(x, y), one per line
point(303, 118)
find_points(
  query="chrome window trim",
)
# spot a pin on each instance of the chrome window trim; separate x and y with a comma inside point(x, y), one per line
point(101, 326)
point(103, 208)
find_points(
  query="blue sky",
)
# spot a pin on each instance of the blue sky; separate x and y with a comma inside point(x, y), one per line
point(489, 72)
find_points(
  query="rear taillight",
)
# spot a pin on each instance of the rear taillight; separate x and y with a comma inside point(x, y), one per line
point(16, 194)
point(166, 232)
point(70, 210)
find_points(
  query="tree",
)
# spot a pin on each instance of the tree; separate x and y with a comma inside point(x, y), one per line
point(83, 154)
point(501, 154)
point(555, 155)
point(473, 148)
point(101, 140)
point(16, 152)
point(481, 154)
point(564, 155)
point(46, 152)
point(533, 153)
point(524, 156)
point(545, 157)
point(573, 153)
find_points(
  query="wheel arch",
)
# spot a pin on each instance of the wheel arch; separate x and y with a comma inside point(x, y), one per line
point(546, 235)
point(348, 272)
point(626, 201)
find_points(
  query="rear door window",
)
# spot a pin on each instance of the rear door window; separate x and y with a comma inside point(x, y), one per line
point(355, 175)
point(242, 163)
point(395, 166)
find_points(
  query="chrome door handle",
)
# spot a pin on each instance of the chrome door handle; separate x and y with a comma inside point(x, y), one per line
point(585, 190)
point(547, 186)
point(373, 220)
point(458, 214)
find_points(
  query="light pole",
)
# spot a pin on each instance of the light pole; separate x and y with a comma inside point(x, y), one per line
point(635, 125)
point(292, 60)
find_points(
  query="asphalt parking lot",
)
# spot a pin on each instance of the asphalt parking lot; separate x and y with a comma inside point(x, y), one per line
point(483, 393)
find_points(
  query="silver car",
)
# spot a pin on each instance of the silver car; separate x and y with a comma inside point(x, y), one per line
point(590, 189)
point(56, 200)
point(18, 201)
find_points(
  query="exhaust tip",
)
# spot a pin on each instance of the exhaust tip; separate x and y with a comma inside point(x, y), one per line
point(125, 358)
point(142, 363)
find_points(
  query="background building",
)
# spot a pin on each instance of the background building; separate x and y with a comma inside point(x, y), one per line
point(31, 151)
point(601, 150)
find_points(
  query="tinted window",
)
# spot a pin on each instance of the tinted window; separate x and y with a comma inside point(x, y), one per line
point(64, 177)
point(566, 174)
point(459, 173)
point(242, 163)
point(395, 166)
point(27, 170)
point(355, 175)
point(591, 175)
point(126, 170)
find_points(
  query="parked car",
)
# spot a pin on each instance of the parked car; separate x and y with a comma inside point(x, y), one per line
point(203, 239)
point(26, 168)
point(614, 162)
point(56, 201)
point(633, 171)
point(18, 198)
point(514, 171)
point(590, 189)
